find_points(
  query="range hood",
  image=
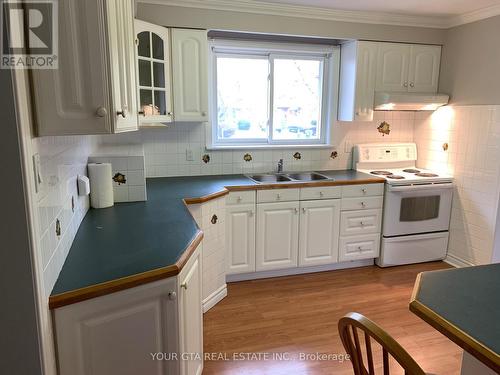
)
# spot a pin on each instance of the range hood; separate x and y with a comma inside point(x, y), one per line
point(405, 101)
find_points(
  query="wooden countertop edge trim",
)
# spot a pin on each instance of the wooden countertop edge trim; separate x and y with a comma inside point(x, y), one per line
point(82, 294)
point(281, 185)
point(455, 334)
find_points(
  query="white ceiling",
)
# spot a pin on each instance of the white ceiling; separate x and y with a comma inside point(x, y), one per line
point(444, 8)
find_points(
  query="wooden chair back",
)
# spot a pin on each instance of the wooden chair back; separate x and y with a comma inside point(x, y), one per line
point(348, 329)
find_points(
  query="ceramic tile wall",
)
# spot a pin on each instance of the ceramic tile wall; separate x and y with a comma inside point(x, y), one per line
point(127, 160)
point(62, 160)
point(213, 254)
point(165, 149)
point(473, 137)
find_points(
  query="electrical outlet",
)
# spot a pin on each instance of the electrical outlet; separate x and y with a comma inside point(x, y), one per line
point(189, 155)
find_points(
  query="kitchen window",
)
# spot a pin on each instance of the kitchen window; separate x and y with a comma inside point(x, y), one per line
point(271, 94)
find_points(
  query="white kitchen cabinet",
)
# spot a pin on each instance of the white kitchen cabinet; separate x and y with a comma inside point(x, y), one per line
point(423, 73)
point(120, 332)
point(277, 235)
point(359, 247)
point(357, 80)
point(115, 333)
point(191, 317)
point(93, 90)
point(408, 68)
point(190, 74)
point(240, 238)
point(154, 82)
point(319, 232)
point(393, 64)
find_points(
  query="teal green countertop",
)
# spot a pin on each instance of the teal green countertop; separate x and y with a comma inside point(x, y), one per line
point(128, 239)
point(464, 304)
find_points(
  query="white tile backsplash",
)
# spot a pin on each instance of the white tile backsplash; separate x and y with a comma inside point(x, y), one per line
point(62, 160)
point(473, 137)
point(165, 149)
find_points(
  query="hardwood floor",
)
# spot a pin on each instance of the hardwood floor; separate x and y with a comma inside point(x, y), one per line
point(299, 314)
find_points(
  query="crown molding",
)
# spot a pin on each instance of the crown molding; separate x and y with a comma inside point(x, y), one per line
point(301, 11)
point(328, 14)
point(477, 15)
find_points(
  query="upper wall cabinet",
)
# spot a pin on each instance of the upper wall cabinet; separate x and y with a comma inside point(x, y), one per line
point(173, 74)
point(155, 85)
point(358, 66)
point(407, 68)
point(368, 67)
point(93, 91)
point(190, 72)
point(423, 73)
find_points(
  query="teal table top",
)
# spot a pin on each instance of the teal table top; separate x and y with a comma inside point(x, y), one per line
point(463, 304)
point(133, 238)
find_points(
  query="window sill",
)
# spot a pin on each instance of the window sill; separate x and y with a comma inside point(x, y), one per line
point(266, 147)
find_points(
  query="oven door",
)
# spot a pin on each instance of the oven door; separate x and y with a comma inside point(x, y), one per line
point(416, 209)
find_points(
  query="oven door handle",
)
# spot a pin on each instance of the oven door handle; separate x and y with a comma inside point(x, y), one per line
point(447, 185)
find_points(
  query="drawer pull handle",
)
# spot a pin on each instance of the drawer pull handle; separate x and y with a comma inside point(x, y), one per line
point(214, 219)
point(304, 210)
point(364, 191)
point(184, 285)
point(360, 248)
point(278, 196)
point(363, 204)
point(172, 295)
point(362, 224)
point(296, 210)
point(321, 194)
point(239, 198)
point(250, 213)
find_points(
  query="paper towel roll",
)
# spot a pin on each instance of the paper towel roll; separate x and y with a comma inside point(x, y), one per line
point(101, 185)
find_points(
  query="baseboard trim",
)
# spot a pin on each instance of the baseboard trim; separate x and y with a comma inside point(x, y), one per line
point(457, 262)
point(298, 270)
point(214, 298)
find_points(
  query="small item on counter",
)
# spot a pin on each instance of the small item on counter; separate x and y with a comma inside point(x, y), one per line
point(83, 185)
point(119, 178)
point(101, 185)
point(247, 157)
point(297, 156)
point(384, 128)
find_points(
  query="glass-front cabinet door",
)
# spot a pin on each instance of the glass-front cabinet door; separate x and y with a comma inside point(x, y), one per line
point(155, 86)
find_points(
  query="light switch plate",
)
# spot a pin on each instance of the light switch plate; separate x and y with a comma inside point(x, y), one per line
point(37, 172)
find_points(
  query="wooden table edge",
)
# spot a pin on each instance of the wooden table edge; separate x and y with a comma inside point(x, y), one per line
point(454, 333)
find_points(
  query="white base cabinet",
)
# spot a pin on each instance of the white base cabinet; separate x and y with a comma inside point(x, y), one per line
point(319, 232)
point(120, 333)
point(277, 235)
point(240, 238)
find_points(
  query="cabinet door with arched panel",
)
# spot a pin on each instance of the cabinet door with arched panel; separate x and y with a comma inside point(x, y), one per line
point(154, 78)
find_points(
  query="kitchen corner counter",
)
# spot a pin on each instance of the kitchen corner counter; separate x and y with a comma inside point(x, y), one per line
point(130, 244)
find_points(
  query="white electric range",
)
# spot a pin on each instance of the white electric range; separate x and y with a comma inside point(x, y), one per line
point(417, 203)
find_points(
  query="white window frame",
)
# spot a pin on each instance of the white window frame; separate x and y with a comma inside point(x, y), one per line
point(330, 56)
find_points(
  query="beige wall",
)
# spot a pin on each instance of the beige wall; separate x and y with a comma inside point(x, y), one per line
point(237, 21)
point(470, 67)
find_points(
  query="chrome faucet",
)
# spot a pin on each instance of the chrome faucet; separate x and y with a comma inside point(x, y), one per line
point(280, 166)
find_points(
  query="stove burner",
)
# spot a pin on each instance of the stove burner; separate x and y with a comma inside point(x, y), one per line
point(411, 170)
point(426, 175)
point(381, 173)
point(395, 177)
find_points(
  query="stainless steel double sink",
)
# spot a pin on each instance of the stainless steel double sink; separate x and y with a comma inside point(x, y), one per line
point(288, 177)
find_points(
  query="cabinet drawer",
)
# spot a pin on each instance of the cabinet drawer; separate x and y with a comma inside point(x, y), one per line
point(277, 195)
point(363, 203)
point(364, 190)
point(360, 222)
point(320, 192)
point(240, 197)
point(359, 247)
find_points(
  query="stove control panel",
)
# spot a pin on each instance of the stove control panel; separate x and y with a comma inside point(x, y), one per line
point(375, 152)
